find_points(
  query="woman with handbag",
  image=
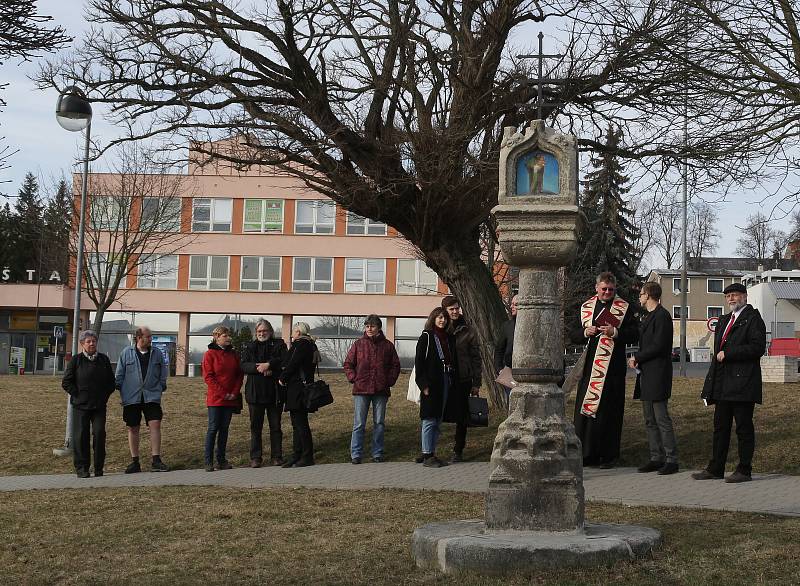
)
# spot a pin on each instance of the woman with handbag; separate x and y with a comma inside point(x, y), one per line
point(435, 368)
point(298, 371)
point(223, 376)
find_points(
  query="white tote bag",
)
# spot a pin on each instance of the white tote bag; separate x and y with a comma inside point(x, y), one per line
point(413, 390)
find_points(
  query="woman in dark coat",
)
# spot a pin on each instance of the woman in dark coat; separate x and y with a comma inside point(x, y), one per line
point(298, 371)
point(262, 360)
point(435, 369)
point(654, 382)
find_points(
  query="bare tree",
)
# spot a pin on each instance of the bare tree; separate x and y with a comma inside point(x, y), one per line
point(759, 241)
point(667, 230)
point(133, 227)
point(702, 236)
point(645, 221)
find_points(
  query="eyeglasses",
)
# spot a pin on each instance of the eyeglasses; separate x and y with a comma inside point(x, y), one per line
point(611, 289)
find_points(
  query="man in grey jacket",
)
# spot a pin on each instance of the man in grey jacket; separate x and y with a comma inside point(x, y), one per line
point(141, 379)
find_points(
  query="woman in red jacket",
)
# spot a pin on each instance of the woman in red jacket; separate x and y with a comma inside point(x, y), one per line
point(224, 377)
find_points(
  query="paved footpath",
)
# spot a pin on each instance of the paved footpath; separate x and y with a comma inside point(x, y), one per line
point(768, 493)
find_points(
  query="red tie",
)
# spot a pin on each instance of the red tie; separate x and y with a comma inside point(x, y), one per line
point(727, 329)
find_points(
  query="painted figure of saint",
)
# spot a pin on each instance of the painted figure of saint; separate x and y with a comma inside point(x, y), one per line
point(535, 166)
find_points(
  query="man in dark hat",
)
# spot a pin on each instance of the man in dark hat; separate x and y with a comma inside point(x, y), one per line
point(733, 384)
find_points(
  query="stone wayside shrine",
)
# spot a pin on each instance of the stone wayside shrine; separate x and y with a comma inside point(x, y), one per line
point(535, 503)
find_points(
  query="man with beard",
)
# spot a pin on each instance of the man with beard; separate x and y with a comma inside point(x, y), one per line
point(606, 326)
point(733, 384)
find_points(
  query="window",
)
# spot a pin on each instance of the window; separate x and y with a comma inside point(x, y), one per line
point(208, 272)
point(161, 214)
point(676, 285)
point(314, 217)
point(365, 275)
point(712, 311)
point(715, 286)
point(676, 312)
point(334, 335)
point(109, 212)
point(211, 214)
point(103, 271)
point(358, 226)
point(415, 278)
point(312, 274)
point(261, 273)
point(263, 215)
point(159, 273)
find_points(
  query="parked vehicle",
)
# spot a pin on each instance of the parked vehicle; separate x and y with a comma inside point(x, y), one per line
point(784, 347)
point(676, 354)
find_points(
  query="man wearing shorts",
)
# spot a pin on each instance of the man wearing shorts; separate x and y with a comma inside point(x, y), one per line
point(141, 379)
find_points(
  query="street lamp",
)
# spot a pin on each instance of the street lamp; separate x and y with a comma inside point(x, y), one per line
point(74, 113)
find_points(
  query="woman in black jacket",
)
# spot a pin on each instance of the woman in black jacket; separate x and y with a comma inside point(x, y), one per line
point(89, 380)
point(435, 369)
point(299, 370)
point(262, 360)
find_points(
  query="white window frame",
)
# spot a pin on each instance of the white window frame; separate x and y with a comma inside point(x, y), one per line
point(158, 274)
point(364, 224)
point(97, 262)
point(261, 281)
point(676, 285)
point(676, 312)
point(313, 282)
point(708, 285)
point(112, 217)
point(211, 203)
point(710, 307)
point(207, 278)
point(315, 223)
point(262, 228)
point(419, 267)
point(363, 285)
point(170, 220)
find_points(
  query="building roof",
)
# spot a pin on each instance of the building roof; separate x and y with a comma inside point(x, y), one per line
point(699, 273)
point(784, 290)
point(733, 263)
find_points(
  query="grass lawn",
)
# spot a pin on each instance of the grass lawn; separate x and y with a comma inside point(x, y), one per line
point(33, 424)
point(217, 535)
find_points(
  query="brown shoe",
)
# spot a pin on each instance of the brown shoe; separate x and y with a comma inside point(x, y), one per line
point(255, 463)
point(737, 477)
point(277, 462)
point(705, 475)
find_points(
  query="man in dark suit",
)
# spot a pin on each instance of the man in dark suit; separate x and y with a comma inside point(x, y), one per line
point(654, 383)
point(733, 383)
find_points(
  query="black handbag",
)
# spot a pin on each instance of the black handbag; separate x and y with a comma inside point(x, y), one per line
point(478, 412)
point(316, 395)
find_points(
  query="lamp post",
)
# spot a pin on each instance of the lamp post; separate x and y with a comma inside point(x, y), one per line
point(74, 113)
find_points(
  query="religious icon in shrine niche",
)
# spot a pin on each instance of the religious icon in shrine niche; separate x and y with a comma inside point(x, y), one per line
point(537, 173)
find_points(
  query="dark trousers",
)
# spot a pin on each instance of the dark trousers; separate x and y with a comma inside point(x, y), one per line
point(660, 432)
point(725, 412)
point(302, 443)
point(461, 437)
point(273, 413)
point(219, 421)
point(82, 420)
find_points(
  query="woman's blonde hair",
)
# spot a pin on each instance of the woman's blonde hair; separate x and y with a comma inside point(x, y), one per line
point(301, 327)
point(219, 330)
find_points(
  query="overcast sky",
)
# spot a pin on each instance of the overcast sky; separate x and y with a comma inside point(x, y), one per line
point(28, 124)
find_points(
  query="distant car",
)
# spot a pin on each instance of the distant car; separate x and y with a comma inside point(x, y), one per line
point(676, 354)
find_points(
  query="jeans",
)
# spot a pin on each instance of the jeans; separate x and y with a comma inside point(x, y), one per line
point(660, 433)
point(361, 405)
point(431, 427)
point(219, 420)
point(83, 419)
point(273, 413)
point(724, 414)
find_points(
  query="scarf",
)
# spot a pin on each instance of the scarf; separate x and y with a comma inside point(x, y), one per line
point(602, 354)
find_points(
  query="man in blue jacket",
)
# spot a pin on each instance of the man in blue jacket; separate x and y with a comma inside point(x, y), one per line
point(141, 379)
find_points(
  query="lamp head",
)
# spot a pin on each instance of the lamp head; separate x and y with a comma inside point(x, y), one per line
point(73, 110)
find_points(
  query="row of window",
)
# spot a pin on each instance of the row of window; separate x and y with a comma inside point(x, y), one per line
point(712, 285)
point(309, 274)
point(711, 311)
point(216, 215)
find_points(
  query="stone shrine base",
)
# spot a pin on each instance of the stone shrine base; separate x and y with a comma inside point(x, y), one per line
point(466, 546)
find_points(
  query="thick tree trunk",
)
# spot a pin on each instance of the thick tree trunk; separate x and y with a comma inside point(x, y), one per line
point(459, 264)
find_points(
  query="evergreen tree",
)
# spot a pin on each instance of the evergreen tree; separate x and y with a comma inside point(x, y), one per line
point(607, 241)
point(7, 242)
point(27, 229)
point(58, 215)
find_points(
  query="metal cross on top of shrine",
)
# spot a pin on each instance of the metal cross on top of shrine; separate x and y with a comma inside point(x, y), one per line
point(540, 79)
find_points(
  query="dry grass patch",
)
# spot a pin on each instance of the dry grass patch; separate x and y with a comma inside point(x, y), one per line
point(217, 535)
point(33, 424)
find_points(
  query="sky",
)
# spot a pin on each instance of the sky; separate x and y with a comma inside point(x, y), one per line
point(45, 149)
